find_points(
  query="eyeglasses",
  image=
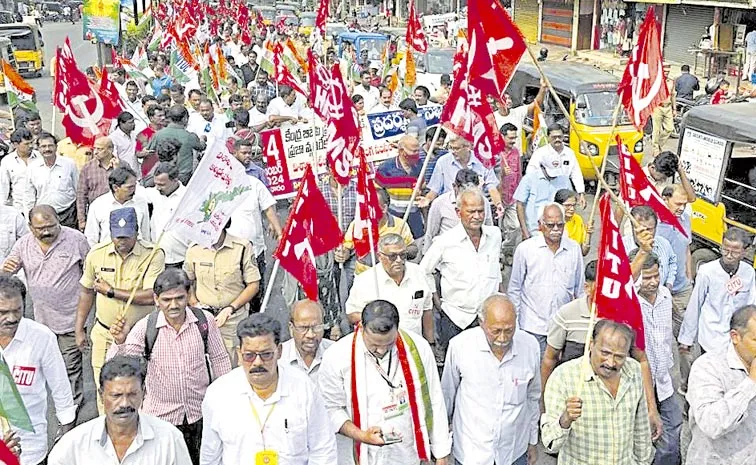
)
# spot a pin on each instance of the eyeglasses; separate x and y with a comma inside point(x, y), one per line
point(730, 252)
point(250, 357)
point(559, 225)
point(316, 329)
point(393, 256)
point(569, 205)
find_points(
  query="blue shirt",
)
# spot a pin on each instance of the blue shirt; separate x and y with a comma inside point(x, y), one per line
point(431, 163)
point(750, 40)
point(159, 83)
point(535, 191)
point(446, 170)
point(680, 245)
point(258, 172)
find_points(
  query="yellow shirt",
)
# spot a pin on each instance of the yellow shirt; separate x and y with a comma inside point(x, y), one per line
point(393, 225)
point(122, 273)
point(221, 274)
point(575, 229)
point(77, 153)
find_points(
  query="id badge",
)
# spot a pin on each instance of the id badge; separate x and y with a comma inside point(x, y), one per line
point(398, 404)
point(266, 457)
point(734, 285)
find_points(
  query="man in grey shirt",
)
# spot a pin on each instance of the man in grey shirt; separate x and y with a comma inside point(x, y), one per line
point(416, 125)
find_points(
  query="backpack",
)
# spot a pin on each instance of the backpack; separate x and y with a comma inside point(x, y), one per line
point(150, 335)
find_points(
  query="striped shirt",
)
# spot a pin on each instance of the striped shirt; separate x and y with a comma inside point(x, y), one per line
point(667, 257)
point(611, 430)
point(657, 328)
point(177, 375)
point(568, 328)
point(348, 202)
point(93, 182)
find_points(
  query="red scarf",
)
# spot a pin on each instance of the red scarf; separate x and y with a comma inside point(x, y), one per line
point(408, 379)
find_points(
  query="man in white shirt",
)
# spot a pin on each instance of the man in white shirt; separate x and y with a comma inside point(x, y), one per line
point(124, 141)
point(399, 282)
point(13, 167)
point(722, 286)
point(165, 198)
point(284, 110)
point(395, 414)
point(208, 125)
point(258, 115)
point(122, 181)
point(123, 434)
point(370, 93)
point(467, 256)
point(547, 272)
point(492, 387)
point(264, 411)
point(52, 181)
point(506, 114)
point(306, 347)
point(567, 159)
point(384, 102)
point(246, 223)
point(30, 351)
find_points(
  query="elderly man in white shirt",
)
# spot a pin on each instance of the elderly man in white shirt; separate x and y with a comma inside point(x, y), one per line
point(123, 435)
point(165, 198)
point(568, 160)
point(258, 115)
point(264, 411)
point(208, 125)
point(394, 413)
point(399, 282)
point(124, 141)
point(285, 109)
point(122, 182)
point(306, 347)
point(30, 351)
point(52, 180)
point(467, 256)
point(13, 168)
point(722, 286)
point(547, 272)
point(384, 103)
point(492, 388)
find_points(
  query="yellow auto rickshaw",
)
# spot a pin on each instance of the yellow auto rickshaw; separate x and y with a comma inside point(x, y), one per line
point(29, 47)
point(590, 96)
point(717, 148)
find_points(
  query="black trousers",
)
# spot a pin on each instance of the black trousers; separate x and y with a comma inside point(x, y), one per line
point(256, 302)
point(192, 433)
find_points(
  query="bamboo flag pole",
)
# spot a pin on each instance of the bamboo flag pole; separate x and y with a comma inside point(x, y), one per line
point(269, 288)
point(142, 274)
point(375, 262)
point(600, 174)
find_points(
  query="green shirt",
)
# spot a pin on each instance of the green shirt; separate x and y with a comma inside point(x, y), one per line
point(610, 430)
point(189, 143)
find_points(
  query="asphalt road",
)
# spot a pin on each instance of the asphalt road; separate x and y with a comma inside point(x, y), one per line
point(54, 35)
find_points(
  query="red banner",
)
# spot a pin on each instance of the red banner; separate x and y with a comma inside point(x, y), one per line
point(343, 128)
point(366, 213)
point(415, 36)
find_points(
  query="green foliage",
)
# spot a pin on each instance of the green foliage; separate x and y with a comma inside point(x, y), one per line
point(134, 35)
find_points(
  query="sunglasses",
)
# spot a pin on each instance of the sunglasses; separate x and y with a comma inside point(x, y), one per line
point(250, 357)
point(393, 256)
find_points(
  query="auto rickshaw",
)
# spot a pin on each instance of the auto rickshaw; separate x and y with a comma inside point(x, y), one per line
point(29, 47)
point(6, 53)
point(717, 148)
point(307, 23)
point(373, 42)
point(590, 96)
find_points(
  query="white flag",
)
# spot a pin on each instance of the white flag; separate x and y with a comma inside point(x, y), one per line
point(217, 187)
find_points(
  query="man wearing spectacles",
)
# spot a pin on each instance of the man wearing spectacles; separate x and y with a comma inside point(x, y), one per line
point(306, 347)
point(547, 273)
point(399, 282)
point(722, 286)
point(265, 412)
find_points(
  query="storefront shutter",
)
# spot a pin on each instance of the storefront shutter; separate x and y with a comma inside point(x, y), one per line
point(526, 18)
point(685, 26)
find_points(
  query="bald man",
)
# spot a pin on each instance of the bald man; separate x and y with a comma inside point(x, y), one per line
point(93, 179)
point(398, 175)
point(306, 347)
point(492, 388)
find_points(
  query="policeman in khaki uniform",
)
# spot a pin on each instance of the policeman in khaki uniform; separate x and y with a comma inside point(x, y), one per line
point(225, 278)
point(111, 270)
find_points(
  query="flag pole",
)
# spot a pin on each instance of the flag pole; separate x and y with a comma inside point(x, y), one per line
point(4, 426)
point(140, 279)
point(269, 288)
point(339, 212)
point(375, 263)
point(421, 176)
point(52, 124)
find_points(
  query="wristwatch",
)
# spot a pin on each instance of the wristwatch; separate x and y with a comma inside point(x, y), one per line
point(110, 293)
point(233, 309)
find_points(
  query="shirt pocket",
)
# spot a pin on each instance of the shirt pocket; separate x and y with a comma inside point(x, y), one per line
point(228, 274)
point(295, 428)
point(518, 387)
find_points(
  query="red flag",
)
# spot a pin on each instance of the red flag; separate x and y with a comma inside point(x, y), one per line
point(496, 46)
point(366, 212)
point(320, 85)
point(322, 17)
point(312, 230)
point(343, 128)
point(415, 36)
point(66, 74)
point(636, 189)
point(259, 21)
point(643, 86)
point(468, 114)
point(243, 17)
point(282, 74)
point(615, 297)
point(111, 100)
point(6, 456)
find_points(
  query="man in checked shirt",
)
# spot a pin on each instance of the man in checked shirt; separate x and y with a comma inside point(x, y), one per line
point(174, 391)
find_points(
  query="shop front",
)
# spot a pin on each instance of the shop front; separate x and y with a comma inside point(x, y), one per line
point(526, 18)
point(619, 23)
